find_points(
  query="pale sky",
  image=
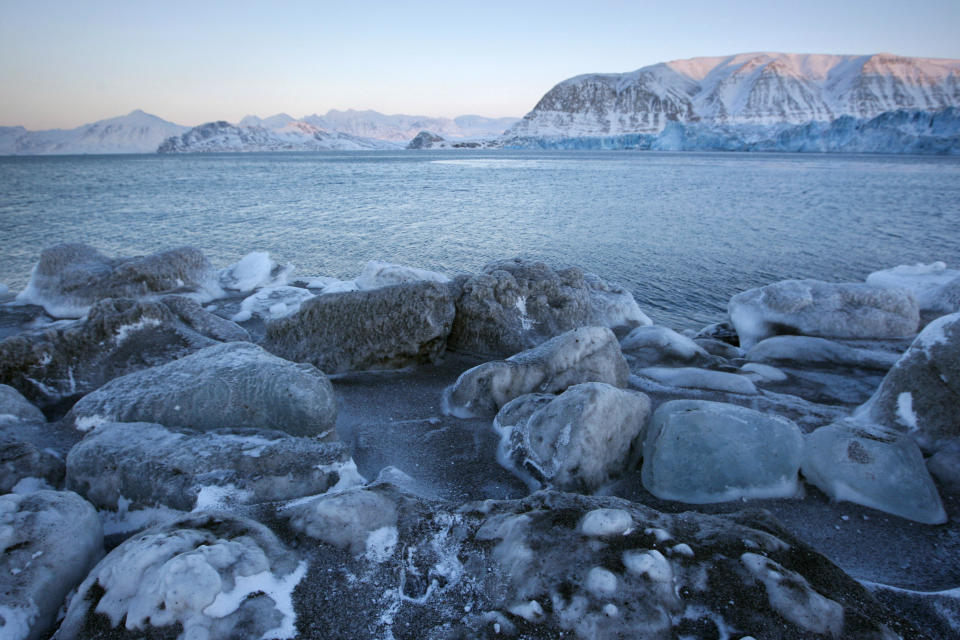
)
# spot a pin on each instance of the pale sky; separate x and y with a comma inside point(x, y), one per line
point(66, 63)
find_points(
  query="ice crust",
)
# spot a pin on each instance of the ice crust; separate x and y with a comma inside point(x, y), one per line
point(693, 378)
point(701, 452)
point(935, 287)
point(383, 274)
point(270, 303)
point(872, 466)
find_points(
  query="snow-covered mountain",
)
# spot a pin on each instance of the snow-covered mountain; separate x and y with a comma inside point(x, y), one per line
point(750, 89)
point(271, 134)
point(136, 132)
point(403, 128)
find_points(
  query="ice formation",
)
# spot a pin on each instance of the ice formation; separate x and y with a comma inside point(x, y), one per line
point(383, 274)
point(935, 287)
point(649, 345)
point(694, 378)
point(272, 302)
point(254, 271)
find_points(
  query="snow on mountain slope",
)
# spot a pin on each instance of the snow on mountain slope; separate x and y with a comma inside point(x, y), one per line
point(744, 89)
point(295, 135)
point(136, 132)
point(403, 128)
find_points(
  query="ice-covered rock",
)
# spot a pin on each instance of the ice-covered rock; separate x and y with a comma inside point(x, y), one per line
point(578, 440)
point(15, 408)
point(563, 565)
point(383, 274)
point(649, 345)
point(49, 540)
point(757, 372)
point(271, 303)
point(944, 465)
point(874, 467)
point(117, 337)
point(921, 393)
point(700, 452)
point(253, 271)
point(589, 354)
point(383, 328)
point(824, 309)
point(235, 384)
point(24, 466)
point(69, 278)
point(202, 321)
point(144, 465)
point(694, 378)
point(517, 304)
point(935, 287)
point(805, 350)
point(207, 575)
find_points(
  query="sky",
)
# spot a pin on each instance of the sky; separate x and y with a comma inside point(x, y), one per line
point(66, 63)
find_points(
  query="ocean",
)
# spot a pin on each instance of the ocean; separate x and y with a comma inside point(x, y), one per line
point(683, 231)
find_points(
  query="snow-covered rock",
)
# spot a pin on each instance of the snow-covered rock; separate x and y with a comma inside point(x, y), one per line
point(69, 278)
point(517, 304)
point(694, 378)
point(919, 395)
point(383, 274)
point(235, 384)
point(649, 345)
point(806, 350)
point(700, 452)
point(118, 336)
point(748, 89)
point(136, 132)
point(383, 328)
point(578, 440)
point(207, 575)
point(874, 467)
point(589, 354)
point(49, 540)
point(271, 303)
point(140, 465)
point(823, 309)
point(935, 287)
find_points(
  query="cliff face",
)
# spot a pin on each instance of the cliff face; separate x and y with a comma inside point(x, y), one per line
point(746, 89)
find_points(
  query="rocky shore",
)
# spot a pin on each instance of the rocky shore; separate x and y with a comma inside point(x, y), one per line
point(199, 453)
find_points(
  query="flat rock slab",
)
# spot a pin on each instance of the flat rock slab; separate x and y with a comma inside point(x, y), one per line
point(234, 384)
point(49, 540)
point(383, 328)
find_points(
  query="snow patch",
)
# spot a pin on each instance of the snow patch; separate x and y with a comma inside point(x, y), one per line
point(280, 590)
point(905, 412)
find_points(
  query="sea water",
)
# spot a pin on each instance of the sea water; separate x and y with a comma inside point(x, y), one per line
point(683, 231)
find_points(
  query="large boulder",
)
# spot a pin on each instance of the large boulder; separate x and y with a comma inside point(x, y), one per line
point(576, 441)
point(589, 354)
point(562, 565)
point(921, 393)
point(517, 304)
point(117, 337)
point(235, 384)
point(874, 467)
point(936, 288)
point(823, 309)
point(143, 465)
point(206, 575)
point(49, 540)
point(70, 278)
point(701, 452)
point(383, 328)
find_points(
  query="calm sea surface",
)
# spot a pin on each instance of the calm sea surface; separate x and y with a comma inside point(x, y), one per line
point(684, 232)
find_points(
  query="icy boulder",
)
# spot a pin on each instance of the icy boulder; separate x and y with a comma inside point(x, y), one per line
point(701, 452)
point(693, 378)
point(829, 310)
point(874, 467)
point(142, 465)
point(517, 304)
point(921, 393)
point(253, 271)
point(24, 466)
point(590, 354)
point(383, 274)
point(804, 350)
point(935, 287)
point(15, 408)
point(576, 441)
point(650, 345)
point(271, 303)
point(207, 575)
point(48, 542)
point(561, 565)
point(117, 337)
point(383, 328)
point(235, 384)
point(69, 278)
